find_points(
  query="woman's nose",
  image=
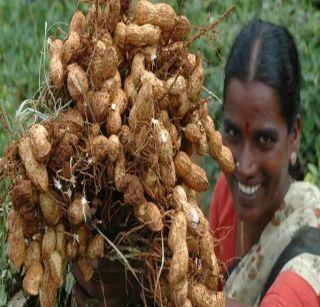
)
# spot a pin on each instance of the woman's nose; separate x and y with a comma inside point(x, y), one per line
point(246, 162)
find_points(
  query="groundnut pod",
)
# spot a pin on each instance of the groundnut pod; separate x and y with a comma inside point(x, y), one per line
point(77, 82)
point(193, 175)
point(225, 160)
point(132, 34)
point(33, 278)
point(56, 66)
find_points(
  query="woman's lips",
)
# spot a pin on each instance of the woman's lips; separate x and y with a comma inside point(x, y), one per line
point(249, 191)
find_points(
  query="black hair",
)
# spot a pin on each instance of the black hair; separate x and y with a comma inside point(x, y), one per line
point(266, 52)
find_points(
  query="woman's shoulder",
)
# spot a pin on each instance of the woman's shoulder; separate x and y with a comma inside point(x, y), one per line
point(303, 193)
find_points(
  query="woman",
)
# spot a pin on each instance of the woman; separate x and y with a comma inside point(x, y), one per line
point(267, 224)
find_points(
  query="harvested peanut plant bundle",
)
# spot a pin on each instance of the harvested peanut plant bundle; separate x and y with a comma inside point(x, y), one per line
point(112, 174)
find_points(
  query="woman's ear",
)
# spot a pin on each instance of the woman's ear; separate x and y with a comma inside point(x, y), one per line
point(295, 136)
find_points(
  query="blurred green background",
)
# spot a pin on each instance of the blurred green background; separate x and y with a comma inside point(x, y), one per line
point(22, 32)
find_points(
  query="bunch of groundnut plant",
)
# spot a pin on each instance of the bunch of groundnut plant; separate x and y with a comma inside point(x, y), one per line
point(112, 172)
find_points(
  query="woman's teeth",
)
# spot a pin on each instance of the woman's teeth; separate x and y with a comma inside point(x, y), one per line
point(248, 190)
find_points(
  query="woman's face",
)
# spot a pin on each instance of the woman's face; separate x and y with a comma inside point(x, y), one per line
point(257, 134)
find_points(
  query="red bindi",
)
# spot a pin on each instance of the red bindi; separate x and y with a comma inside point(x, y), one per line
point(247, 127)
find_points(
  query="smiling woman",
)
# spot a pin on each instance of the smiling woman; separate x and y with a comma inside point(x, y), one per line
point(266, 221)
point(257, 134)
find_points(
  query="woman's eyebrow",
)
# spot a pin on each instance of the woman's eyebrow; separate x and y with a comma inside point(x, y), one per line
point(228, 123)
point(267, 131)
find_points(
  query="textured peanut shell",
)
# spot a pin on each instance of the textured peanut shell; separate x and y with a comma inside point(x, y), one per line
point(184, 106)
point(48, 291)
point(152, 184)
point(203, 297)
point(84, 236)
point(113, 14)
point(179, 263)
point(71, 47)
point(208, 256)
point(178, 230)
point(164, 144)
point(23, 194)
point(56, 269)
point(56, 66)
point(77, 82)
point(168, 174)
point(215, 144)
point(149, 214)
point(132, 191)
point(73, 43)
point(100, 103)
point(48, 243)
point(112, 84)
point(179, 293)
point(180, 202)
point(41, 146)
point(193, 133)
point(96, 247)
point(132, 34)
point(50, 208)
point(175, 137)
point(61, 240)
point(114, 122)
point(177, 243)
point(176, 85)
point(130, 88)
point(157, 85)
point(143, 108)
point(161, 15)
point(120, 100)
point(203, 147)
point(120, 170)
point(115, 148)
point(207, 123)
point(94, 129)
point(77, 23)
point(35, 170)
point(33, 278)
point(33, 253)
point(99, 148)
point(72, 120)
point(195, 81)
point(104, 64)
point(16, 249)
point(15, 222)
point(193, 175)
point(225, 160)
point(181, 30)
point(77, 211)
point(85, 268)
point(72, 249)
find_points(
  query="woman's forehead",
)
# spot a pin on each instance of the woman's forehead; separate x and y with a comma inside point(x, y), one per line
point(252, 103)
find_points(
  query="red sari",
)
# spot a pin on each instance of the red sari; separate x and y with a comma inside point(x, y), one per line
point(288, 289)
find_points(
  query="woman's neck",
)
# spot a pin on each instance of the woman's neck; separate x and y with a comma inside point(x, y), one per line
point(248, 234)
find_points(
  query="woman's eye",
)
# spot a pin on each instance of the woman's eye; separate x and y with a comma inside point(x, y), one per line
point(231, 132)
point(265, 139)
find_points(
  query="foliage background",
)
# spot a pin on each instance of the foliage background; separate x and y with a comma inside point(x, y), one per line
point(22, 32)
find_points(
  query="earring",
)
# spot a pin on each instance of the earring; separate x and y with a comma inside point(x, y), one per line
point(293, 158)
point(237, 164)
